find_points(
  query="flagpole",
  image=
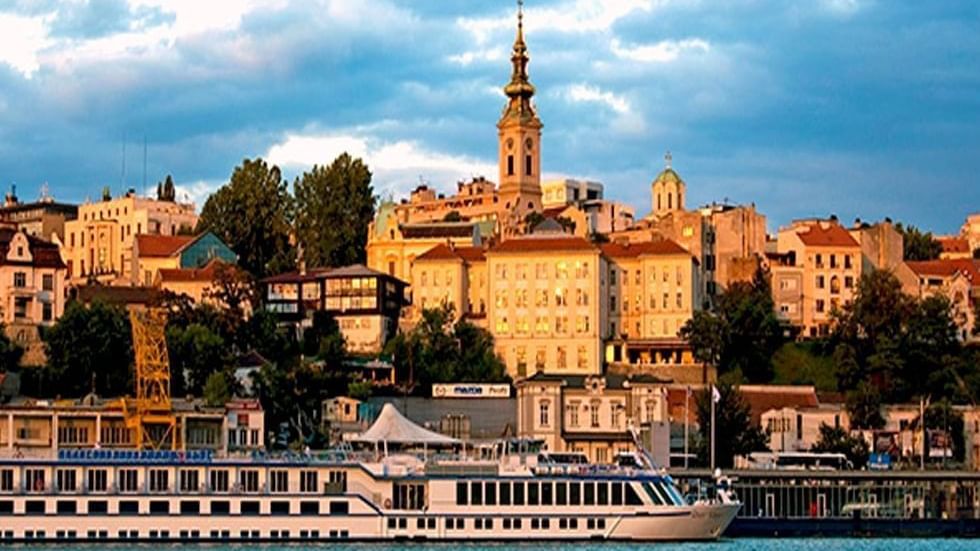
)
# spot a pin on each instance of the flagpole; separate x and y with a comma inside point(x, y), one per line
point(687, 420)
point(713, 391)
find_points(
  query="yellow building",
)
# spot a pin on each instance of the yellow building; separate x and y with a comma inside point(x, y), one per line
point(817, 272)
point(452, 275)
point(99, 243)
point(545, 298)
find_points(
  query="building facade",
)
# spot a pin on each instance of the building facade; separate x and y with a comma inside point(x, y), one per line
point(546, 296)
point(99, 243)
point(33, 292)
point(44, 218)
point(366, 303)
point(956, 280)
point(594, 414)
point(153, 253)
point(815, 272)
point(451, 275)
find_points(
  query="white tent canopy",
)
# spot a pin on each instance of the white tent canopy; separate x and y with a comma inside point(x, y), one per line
point(394, 428)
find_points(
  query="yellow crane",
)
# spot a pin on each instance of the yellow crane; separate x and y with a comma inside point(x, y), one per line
point(150, 413)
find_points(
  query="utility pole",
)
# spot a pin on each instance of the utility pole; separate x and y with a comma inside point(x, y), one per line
point(715, 397)
point(922, 425)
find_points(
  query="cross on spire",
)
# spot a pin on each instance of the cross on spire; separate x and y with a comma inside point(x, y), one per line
point(667, 159)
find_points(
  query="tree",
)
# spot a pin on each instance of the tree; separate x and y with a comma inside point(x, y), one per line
point(196, 353)
point(734, 434)
point(166, 191)
point(217, 390)
point(439, 350)
point(452, 216)
point(837, 440)
point(918, 245)
point(89, 349)
point(742, 334)
point(252, 213)
point(233, 288)
point(531, 221)
point(10, 353)
point(334, 206)
point(864, 407)
point(803, 363)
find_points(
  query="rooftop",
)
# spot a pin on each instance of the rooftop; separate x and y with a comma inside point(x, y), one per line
point(150, 245)
point(831, 235)
point(659, 247)
point(947, 268)
point(535, 244)
point(448, 252)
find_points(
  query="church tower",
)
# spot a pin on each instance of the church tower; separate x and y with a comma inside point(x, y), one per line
point(519, 135)
point(667, 191)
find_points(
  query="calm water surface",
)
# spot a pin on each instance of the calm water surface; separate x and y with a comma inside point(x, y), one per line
point(774, 544)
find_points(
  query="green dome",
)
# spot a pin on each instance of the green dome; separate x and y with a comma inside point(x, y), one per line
point(668, 176)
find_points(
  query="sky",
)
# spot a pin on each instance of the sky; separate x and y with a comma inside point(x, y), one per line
point(858, 108)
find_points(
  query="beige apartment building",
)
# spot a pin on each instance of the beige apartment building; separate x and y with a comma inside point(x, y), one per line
point(816, 271)
point(593, 414)
point(546, 311)
point(99, 243)
point(971, 231)
point(958, 281)
point(452, 275)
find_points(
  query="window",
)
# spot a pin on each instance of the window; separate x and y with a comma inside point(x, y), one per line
point(847, 262)
point(562, 357)
point(834, 284)
point(582, 358)
point(544, 416)
point(190, 507)
point(510, 165)
point(561, 270)
point(571, 412)
point(339, 508)
point(218, 480)
point(532, 493)
point(308, 481)
point(848, 280)
point(539, 359)
point(820, 305)
point(249, 481)
point(20, 279)
point(490, 493)
point(47, 313)
point(527, 165)
point(476, 493)
point(6, 480)
point(546, 493)
point(127, 480)
point(518, 493)
point(560, 297)
point(820, 282)
point(249, 507)
point(504, 493)
point(189, 481)
point(65, 480)
point(574, 494)
point(279, 508)
point(279, 481)
point(97, 480)
point(220, 508)
point(159, 507)
point(47, 282)
point(159, 480)
point(594, 414)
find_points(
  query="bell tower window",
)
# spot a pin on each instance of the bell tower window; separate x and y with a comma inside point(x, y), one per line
point(670, 201)
point(527, 165)
point(510, 165)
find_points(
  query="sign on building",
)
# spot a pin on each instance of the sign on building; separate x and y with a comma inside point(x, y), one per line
point(470, 390)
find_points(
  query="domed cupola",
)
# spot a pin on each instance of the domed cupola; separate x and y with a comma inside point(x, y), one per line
point(668, 190)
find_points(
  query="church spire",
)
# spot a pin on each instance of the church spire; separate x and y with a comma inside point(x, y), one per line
point(519, 89)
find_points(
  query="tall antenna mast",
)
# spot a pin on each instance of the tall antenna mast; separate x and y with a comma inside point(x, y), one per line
point(144, 163)
point(123, 181)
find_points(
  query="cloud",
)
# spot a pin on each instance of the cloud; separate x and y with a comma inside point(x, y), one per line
point(483, 56)
point(24, 37)
point(589, 93)
point(397, 165)
point(662, 52)
point(96, 18)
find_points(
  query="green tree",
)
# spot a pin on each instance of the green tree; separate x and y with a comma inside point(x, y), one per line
point(439, 350)
point(837, 440)
point(742, 334)
point(734, 434)
point(196, 353)
point(252, 213)
point(89, 348)
point(453, 216)
point(802, 363)
point(359, 390)
point(864, 407)
point(217, 389)
point(166, 191)
point(334, 205)
point(918, 245)
point(10, 353)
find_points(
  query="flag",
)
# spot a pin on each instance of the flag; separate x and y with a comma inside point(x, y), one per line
point(715, 395)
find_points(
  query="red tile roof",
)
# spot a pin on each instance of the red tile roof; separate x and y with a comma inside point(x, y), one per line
point(762, 398)
point(446, 252)
point(543, 244)
point(161, 245)
point(659, 247)
point(947, 268)
point(831, 236)
point(954, 244)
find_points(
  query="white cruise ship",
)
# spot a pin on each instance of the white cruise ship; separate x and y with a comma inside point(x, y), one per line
point(508, 492)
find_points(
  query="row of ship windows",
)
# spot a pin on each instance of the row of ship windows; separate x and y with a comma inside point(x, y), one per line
point(547, 493)
point(183, 534)
point(401, 523)
point(186, 507)
point(189, 480)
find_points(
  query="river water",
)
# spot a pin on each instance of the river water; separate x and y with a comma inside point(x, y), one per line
point(740, 544)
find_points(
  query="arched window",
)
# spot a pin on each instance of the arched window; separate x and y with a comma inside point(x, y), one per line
point(658, 202)
point(670, 201)
point(834, 285)
point(527, 165)
point(510, 165)
point(680, 200)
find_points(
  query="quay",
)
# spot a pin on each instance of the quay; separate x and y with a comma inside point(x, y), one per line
point(849, 503)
